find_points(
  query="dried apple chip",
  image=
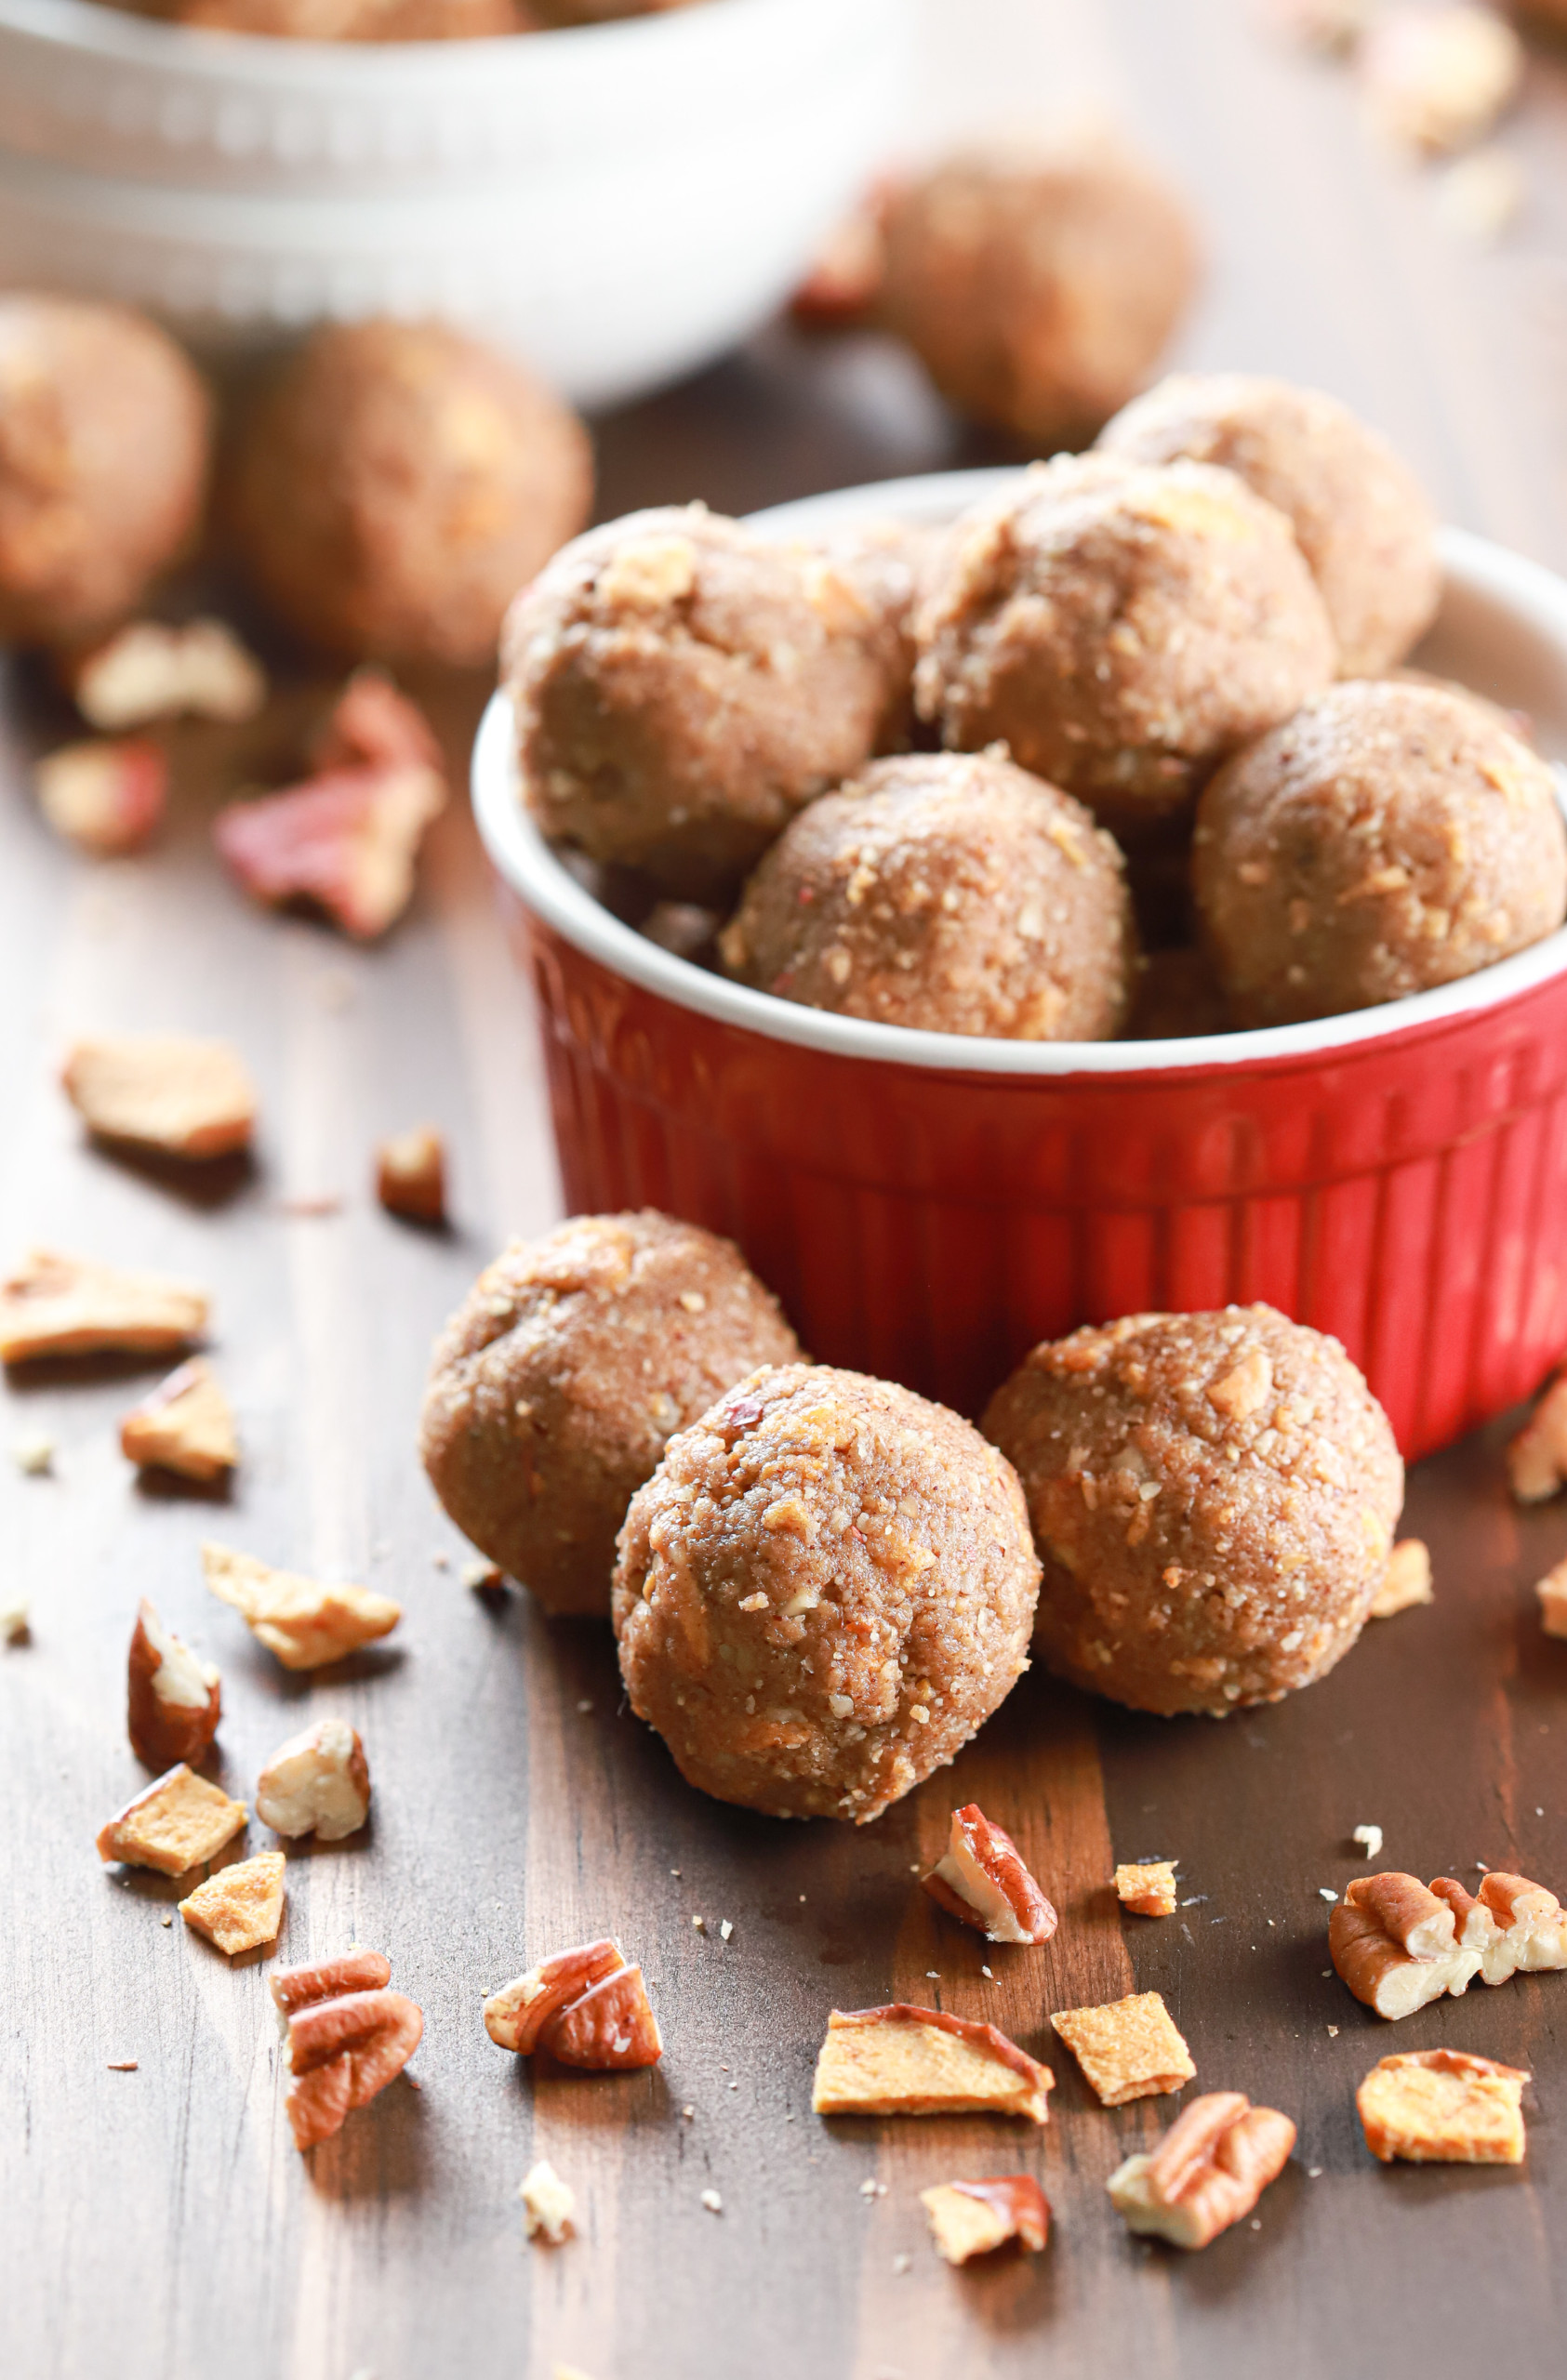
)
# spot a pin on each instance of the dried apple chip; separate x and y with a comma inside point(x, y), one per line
point(346, 841)
point(169, 1092)
point(1441, 2107)
point(304, 1623)
point(176, 1822)
point(186, 1425)
point(63, 1305)
point(911, 2061)
point(241, 1907)
point(1128, 2049)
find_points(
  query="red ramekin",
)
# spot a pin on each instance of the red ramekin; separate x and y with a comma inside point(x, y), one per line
point(929, 1206)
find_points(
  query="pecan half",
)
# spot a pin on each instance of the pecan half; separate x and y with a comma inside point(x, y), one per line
point(341, 2051)
point(1209, 2170)
point(1396, 1945)
point(174, 1701)
point(516, 2016)
point(1443, 2107)
point(911, 2061)
point(970, 2218)
point(981, 1880)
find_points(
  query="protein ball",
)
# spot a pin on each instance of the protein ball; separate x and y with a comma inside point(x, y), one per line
point(888, 563)
point(1038, 285)
point(683, 687)
point(105, 446)
point(952, 893)
point(1122, 628)
point(1388, 837)
point(1360, 517)
point(556, 1386)
point(1214, 1498)
point(824, 1589)
point(396, 485)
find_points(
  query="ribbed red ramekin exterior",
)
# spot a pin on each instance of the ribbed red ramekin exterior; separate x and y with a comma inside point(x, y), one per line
point(1409, 1195)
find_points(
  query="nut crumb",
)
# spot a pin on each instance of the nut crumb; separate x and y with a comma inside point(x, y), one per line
point(411, 1175)
point(725, 1930)
point(584, 1706)
point(33, 1453)
point(123, 2065)
point(1370, 1840)
point(15, 1615)
point(712, 2201)
point(1326, 1892)
point(548, 2205)
point(902, 2264)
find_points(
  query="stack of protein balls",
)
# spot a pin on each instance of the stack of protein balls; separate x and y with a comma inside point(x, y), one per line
point(1183, 785)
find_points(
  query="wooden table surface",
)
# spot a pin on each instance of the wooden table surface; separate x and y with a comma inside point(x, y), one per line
point(159, 2222)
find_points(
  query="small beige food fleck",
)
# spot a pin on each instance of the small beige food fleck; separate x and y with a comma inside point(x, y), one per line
point(1128, 2049)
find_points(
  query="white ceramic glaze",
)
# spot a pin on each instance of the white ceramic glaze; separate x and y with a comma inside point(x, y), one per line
point(1502, 629)
point(617, 203)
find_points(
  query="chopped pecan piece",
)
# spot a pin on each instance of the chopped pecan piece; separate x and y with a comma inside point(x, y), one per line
point(186, 1425)
point(304, 1623)
point(1128, 2049)
point(518, 2015)
point(372, 724)
point(1552, 1592)
point(907, 2061)
point(174, 1701)
point(970, 2218)
point(1443, 2107)
point(1537, 1457)
point(169, 1092)
point(1209, 2170)
point(1517, 1927)
point(346, 841)
point(1146, 1888)
point(610, 2027)
point(241, 1906)
point(1396, 1945)
point(104, 798)
point(1406, 1581)
point(341, 2051)
point(63, 1305)
point(981, 1880)
point(411, 1176)
point(355, 1969)
point(149, 671)
point(318, 1781)
point(548, 2204)
point(175, 1823)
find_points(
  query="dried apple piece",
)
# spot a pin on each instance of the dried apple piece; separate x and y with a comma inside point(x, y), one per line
point(185, 1426)
point(318, 1781)
point(411, 1175)
point(970, 2218)
point(346, 841)
point(981, 1880)
point(1406, 1581)
point(1441, 2107)
point(1128, 2049)
point(517, 2015)
point(176, 1822)
point(169, 1092)
point(174, 1701)
point(64, 1305)
point(149, 671)
point(911, 2061)
point(304, 1623)
point(1209, 2170)
point(241, 1907)
point(373, 724)
point(106, 798)
point(1146, 1888)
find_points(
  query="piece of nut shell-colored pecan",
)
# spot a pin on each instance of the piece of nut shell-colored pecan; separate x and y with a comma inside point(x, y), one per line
point(610, 2028)
point(1210, 2169)
point(981, 1880)
point(1395, 1943)
point(172, 1700)
point(970, 2218)
point(341, 2052)
point(516, 2016)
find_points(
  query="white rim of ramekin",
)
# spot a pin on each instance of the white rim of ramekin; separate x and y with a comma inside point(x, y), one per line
point(527, 863)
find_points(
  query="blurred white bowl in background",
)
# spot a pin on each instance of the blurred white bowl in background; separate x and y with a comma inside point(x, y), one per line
point(617, 205)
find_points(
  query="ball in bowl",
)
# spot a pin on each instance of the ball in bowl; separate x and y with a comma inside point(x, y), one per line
point(105, 448)
point(1364, 524)
point(1214, 1498)
point(556, 1386)
point(682, 686)
point(948, 892)
point(397, 484)
point(824, 1589)
point(1122, 628)
point(1391, 837)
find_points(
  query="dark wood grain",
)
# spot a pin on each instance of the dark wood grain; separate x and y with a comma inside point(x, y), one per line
point(158, 2225)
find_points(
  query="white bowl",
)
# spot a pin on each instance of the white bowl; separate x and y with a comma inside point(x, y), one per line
point(617, 205)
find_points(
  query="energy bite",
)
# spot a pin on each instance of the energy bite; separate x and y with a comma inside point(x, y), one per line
point(683, 687)
point(557, 1386)
point(1360, 518)
point(949, 892)
point(823, 1591)
point(1387, 838)
point(397, 483)
point(1213, 1495)
point(1038, 282)
point(105, 445)
point(1121, 626)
